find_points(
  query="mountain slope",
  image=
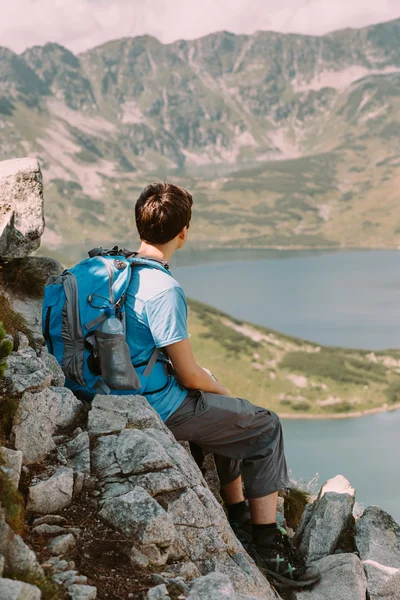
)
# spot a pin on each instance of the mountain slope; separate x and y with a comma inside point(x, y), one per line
point(320, 113)
point(289, 375)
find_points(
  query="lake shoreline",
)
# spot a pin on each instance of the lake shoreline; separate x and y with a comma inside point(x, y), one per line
point(349, 415)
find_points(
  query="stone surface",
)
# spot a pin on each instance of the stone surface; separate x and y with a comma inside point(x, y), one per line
point(338, 484)
point(50, 530)
point(50, 520)
point(53, 494)
point(378, 543)
point(243, 574)
point(18, 557)
point(21, 207)
point(78, 452)
point(159, 592)
point(342, 578)
point(54, 369)
point(62, 544)
point(26, 371)
point(17, 590)
point(112, 414)
point(331, 516)
point(82, 592)
point(137, 453)
point(212, 587)
point(138, 516)
point(38, 416)
point(390, 590)
point(1, 565)
point(13, 464)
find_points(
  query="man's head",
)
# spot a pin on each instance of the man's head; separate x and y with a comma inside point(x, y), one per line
point(163, 212)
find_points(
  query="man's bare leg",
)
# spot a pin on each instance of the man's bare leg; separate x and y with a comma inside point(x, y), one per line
point(232, 492)
point(263, 510)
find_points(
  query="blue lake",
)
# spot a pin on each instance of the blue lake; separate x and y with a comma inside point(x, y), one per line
point(346, 299)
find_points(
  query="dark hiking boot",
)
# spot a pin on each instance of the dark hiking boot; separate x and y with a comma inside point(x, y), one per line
point(242, 528)
point(280, 562)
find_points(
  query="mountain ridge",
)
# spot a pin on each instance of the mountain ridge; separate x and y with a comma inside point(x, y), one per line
point(104, 121)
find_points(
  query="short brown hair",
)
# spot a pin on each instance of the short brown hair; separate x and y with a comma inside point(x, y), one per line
point(162, 211)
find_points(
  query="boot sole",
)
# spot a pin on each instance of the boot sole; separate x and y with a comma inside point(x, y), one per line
point(289, 583)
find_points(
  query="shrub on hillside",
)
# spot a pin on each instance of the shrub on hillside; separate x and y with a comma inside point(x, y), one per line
point(335, 364)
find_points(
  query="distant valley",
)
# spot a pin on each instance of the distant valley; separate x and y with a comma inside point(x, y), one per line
point(286, 141)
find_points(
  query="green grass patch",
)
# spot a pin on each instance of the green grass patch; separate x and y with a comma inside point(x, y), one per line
point(335, 364)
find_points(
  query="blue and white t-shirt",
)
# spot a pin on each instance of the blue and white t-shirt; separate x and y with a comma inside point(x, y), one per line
point(156, 316)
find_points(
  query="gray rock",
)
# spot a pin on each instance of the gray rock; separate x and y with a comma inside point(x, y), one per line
point(50, 530)
point(137, 453)
point(26, 371)
point(390, 590)
point(62, 544)
point(111, 414)
point(18, 590)
point(1, 565)
point(68, 407)
point(338, 484)
point(331, 516)
point(378, 543)
point(212, 587)
point(158, 482)
point(53, 368)
point(78, 452)
point(79, 482)
point(187, 570)
point(159, 592)
point(138, 516)
point(52, 495)
point(37, 418)
point(103, 458)
point(56, 565)
point(117, 488)
point(21, 207)
point(185, 508)
point(68, 578)
point(18, 557)
point(13, 464)
point(198, 543)
point(247, 579)
point(50, 520)
point(342, 578)
point(34, 424)
point(82, 592)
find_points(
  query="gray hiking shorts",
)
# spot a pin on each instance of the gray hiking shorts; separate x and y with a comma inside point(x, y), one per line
point(245, 439)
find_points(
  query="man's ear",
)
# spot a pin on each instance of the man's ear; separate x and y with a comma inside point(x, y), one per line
point(183, 234)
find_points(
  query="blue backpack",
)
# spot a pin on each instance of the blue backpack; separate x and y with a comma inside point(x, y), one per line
point(75, 305)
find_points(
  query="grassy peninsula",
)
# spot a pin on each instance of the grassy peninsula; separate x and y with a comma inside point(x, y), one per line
point(291, 376)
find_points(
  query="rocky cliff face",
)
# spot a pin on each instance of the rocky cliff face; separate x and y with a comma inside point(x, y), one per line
point(116, 508)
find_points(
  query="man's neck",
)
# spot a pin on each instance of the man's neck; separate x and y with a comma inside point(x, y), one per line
point(162, 252)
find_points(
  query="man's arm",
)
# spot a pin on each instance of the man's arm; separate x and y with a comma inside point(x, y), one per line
point(189, 373)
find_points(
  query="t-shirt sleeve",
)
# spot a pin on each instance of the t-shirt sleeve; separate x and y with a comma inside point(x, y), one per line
point(167, 317)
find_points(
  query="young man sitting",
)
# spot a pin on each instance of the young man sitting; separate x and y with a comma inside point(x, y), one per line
point(246, 440)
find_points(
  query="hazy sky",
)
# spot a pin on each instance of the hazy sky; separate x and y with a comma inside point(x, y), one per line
point(82, 24)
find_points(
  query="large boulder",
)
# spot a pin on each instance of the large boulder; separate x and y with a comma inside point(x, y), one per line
point(53, 494)
point(342, 578)
point(39, 416)
point(378, 543)
point(18, 557)
point(153, 492)
point(18, 590)
point(323, 523)
point(21, 207)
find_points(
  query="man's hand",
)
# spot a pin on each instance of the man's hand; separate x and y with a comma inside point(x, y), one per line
point(189, 373)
